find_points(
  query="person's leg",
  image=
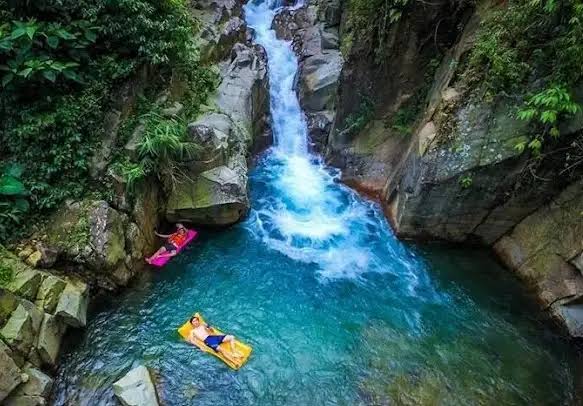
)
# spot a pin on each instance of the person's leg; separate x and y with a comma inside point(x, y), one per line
point(229, 355)
point(158, 253)
point(169, 254)
point(231, 340)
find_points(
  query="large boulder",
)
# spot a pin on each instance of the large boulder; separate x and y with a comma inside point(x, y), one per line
point(243, 94)
point(216, 192)
point(222, 26)
point(136, 388)
point(32, 393)
point(319, 80)
point(215, 197)
point(540, 250)
point(91, 235)
point(49, 339)
point(10, 374)
point(73, 302)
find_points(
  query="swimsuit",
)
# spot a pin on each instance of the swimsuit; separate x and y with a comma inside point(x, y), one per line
point(170, 247)
point(214, 341)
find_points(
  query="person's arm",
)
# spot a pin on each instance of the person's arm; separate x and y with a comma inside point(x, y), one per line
point(162, 235)
point(192, 337)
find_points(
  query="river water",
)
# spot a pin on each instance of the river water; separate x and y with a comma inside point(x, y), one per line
point(338, 311)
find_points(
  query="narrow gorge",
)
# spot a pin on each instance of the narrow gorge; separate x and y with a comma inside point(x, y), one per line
point(375, 216)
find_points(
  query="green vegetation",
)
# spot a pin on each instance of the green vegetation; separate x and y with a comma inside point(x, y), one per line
point(6, 275)
point(466, 181)
point(356, 122)
point(13, 197)
point(371, 19)
point(161, 152)
point(533, 49)
point(546, 109)
point(61, 62)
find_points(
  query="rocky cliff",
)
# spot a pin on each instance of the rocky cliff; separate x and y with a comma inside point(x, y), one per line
point(98, 243)
point(397, 108)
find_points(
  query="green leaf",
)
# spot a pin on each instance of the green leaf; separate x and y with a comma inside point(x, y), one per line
point(50, 75)
point(30, 31)
point(17, 33)
point(520, 147)
point(69, 74)
point(22, 205)
point(535, 145)
point(10, 186)
point(53, 41)
point(6, 79)
point(90, 36)
point(14, 169)
point(25, 73)
point(554, 132)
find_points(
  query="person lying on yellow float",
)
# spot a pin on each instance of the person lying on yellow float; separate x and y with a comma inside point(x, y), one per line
point(203, 332)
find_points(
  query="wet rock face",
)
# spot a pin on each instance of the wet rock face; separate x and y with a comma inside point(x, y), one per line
point(313, 31)
point(216, 192)
point(92, 235)
point(463, 180)
point(36, 308)
point(543, 250)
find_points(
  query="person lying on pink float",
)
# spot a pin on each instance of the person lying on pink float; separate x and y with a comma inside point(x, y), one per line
point(174, 242)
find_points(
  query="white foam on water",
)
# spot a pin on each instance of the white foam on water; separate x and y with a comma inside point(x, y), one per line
point(307, 214)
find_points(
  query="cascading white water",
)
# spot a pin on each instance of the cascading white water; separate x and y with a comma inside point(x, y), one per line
point(308, 214)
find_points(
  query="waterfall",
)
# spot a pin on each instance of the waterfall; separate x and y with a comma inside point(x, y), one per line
point(306, 213)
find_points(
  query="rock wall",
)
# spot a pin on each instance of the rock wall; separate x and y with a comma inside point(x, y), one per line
point(216, 190)
point(380, 82)
point(461, 177)
point(546, 250)
point(314, 32)
point(36, 309)
point(454, 173)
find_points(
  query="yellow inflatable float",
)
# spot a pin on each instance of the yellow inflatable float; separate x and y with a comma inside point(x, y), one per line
point(243, 349)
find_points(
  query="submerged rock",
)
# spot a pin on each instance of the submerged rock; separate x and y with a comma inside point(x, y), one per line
point(136, 388)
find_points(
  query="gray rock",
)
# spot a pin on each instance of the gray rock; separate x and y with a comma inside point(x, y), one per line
point(73, 302)
point(136, 388)
point(10, 374)
point(19, 332)
point(214, 147)
point(34, 391)
point(91, 234)
point(49, 339)
point(243, 94)
point(49, 293)
point(216, 197)
point(319, 80)
point(26, 282)
point(330, 39)
point(173, 110)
